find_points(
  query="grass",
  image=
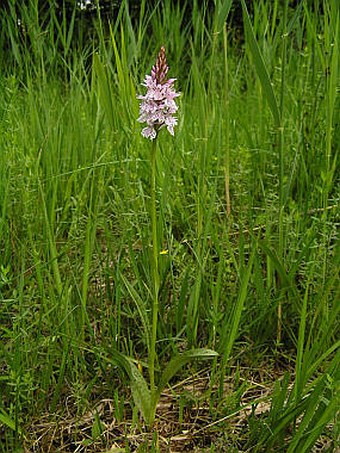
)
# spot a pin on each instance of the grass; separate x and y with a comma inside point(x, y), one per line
point(248, 212)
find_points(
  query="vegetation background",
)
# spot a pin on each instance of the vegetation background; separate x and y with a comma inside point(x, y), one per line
point(248, 219)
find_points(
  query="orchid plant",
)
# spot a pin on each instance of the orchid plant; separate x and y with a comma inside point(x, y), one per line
point(157, 109)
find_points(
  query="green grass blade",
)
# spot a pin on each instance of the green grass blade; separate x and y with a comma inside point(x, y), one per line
point(6, 420)
point(231, 326)
point(222, 11)
point(261, 68)
point(141, 308)
point(104, 89)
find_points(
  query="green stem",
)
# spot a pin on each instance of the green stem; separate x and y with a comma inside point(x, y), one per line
point(226, 100)
point(155, 269)
point(281, 176)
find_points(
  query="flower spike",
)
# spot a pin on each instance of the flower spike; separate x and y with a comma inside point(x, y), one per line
point(160, 69)
point(158, 106)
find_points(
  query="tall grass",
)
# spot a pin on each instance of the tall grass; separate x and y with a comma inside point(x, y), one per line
point(248, 196)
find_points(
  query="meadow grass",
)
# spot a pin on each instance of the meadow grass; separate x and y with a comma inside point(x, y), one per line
point(248, 210)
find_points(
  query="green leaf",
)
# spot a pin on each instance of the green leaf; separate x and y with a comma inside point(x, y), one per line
point(141, 307)
point(287, 280)
point(176, 363)
point(144, 400)
point(321, 407)
point(104, 88)
point(97, 427)
point(231, 326)
point(260, 66)
point(279, 398)
point(139, 387)
point(140, 392)
point(8, 421)
point(223, 8)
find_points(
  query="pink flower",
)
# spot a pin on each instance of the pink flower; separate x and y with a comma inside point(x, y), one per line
point(158, 106)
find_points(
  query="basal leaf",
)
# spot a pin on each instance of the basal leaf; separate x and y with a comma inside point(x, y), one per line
point(140, 392)
point(139, 387)
point(179, 361)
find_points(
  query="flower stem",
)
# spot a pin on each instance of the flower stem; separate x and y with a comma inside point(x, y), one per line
point(155, 269)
